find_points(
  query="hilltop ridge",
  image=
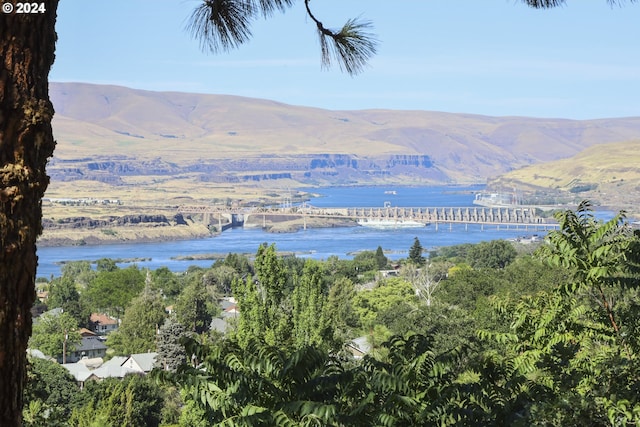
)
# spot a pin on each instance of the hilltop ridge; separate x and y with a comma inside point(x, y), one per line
point(105, 133)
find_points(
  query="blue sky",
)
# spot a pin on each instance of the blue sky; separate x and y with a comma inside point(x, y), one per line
point(491, 57)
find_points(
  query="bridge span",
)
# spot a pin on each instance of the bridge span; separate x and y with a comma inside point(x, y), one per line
point(387, 216)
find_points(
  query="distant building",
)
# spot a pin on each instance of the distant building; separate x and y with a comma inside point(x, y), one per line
point(84, 332)
point(116, 367)
point(90, 347)
point(102, 324)
point(359, 347)
point(81, 373)
point(141, 362)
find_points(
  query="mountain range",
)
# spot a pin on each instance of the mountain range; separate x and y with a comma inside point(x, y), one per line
point(105, 133)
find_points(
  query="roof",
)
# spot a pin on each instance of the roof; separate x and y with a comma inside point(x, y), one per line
point(87, 333)
point(102, 319)
point(90, 343)
point(93, 363)
point(231, 311)
point(146, 361)
point(218, 324)
point(359, 346)
point(113, 368)
point(32, 352)
point(79, 371)
point(53, 312)
point(226, 303)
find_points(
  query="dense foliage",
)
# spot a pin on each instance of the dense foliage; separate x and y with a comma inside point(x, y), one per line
point(475, 335)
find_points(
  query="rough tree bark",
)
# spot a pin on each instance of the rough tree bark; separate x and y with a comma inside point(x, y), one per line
point(27, 44)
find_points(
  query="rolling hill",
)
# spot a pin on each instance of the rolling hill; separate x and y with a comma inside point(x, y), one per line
point(111, 134)
point(606, 173)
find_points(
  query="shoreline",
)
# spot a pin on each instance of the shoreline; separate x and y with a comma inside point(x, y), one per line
point(142, 234)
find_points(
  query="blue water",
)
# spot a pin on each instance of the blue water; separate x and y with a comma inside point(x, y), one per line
point(447, 196)
point(314, 243)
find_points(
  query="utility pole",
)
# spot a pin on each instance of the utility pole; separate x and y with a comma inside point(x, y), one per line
point(64, 347)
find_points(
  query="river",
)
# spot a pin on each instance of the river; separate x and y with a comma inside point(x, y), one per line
point(314, 243)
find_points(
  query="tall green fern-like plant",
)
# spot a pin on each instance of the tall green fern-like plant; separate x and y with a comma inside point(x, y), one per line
point(567, 359)
point(263, 385)
point(598, 253)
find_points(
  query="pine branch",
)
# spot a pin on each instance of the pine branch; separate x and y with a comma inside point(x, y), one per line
point(268, 7)
point(221, 25)
point(352, 47)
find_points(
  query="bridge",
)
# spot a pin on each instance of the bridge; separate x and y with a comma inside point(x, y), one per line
point(389, 216)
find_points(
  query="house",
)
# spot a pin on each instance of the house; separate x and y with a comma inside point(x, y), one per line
point(32, 352)
point(229, 307)
point(233, 311)
point(84, 332)
point(230, 310)
point(53, 312)
point(102, 324)
point(141, 362)
point(80, 372)
point(116, 367)
point(89, 347)
point(358, 347)
point(113, 368)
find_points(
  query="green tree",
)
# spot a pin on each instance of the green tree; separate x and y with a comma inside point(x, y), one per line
point(166, 282)
point(53, 332)
point(112, 291)
point(171, 352)
point(415, 253)
point(493, 254)
point(219, 279)
point(567, 358)
point(49, 390)
point(106, 264)
point(264, 313)
point(195, 306)
point(364, 266)
point(381, 258)
point(340, 309)
point(469, 288)
point(238, 262)
point(598, 254)
point(63, 294)
point(341, 268)
point(193, 415)
point(527, 275)
point(138, 331)
point(388, 293)
point(262, 385)
point(132, 401)
point(311, 325)
point(79, 271)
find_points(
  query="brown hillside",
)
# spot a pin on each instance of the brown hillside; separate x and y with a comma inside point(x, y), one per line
point(607, 174)
point(229, 138)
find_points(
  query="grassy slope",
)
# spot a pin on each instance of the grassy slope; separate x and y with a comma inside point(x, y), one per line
point(612, 169)
point(602, 164)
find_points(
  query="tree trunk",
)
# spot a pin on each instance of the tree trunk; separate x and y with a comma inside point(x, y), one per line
point(27, 44)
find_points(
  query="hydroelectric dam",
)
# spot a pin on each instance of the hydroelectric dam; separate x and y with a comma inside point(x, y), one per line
point(524, 217)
